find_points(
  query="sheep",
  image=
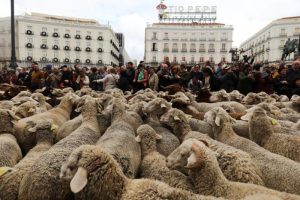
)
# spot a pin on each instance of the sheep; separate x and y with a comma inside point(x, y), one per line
point(261, 132)
point(209, 179)
point(59, 115)
point(219, 96)
point(68, 127)
point(156, 108)
point(26, 109)
point(119, 140)
point(20, 95)
point(235, 164)
point(6, 104)
point(278, 172)
point(205, 107)
point(94, 174)
point(293, 104)
point(138, 98)
point(9, 148)
point(47, 168)
point(253, 99)
point(153, 164)
point(10, 182)
point(235, 95)
point(43, 105)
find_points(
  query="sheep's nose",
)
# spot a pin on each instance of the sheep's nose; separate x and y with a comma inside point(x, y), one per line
point(168, 163)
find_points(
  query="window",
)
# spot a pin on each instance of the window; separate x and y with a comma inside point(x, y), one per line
point(29, 53)
point(211, 59)
point(223, 46)
point(223, 59)
point(283, 31)
point(193, 46)
point(78, 43)
point(44, 29)
point(88, 44)
point(67, 54)
point(193, 59)
point(175, 59)
point(201, 59)
point(154, 59)
point(154, 35)
point(297, 30)
point(44, 53)
point(183, 59)
point(67, 43)
point(154, 47)
point(44, 41)
point(211, 46)
point(166, 45)
point(202, 46)
point(184, 46)
point(55, 54)
point(166, 36)
point(29, 27)
point(77, 56)
point(175, 47)
point(56, 42)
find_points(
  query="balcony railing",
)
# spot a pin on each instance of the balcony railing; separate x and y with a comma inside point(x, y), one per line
point(193, 50)
point(166, 38)
point(154, 38)
point(211, 39)
point(166, 50)
point(223, 50)
point(283, 35)
point(154, 50)
point(281, 47)
point(183, 50)
point(224, 39)
point(202, 50)
point(211, 50)
point(202, 39)
point(193, 40)
point(296, 34)
point(175, 50)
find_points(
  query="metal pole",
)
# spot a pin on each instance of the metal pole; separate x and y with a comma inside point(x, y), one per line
point(13, 63)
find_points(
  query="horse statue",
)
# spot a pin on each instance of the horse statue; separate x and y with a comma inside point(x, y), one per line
point(289, 47)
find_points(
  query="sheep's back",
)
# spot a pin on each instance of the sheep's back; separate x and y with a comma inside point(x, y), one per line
point(10, 152)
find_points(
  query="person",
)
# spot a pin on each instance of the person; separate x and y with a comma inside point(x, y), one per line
point(195, 85)
point(263, 79)
point(140, 80)
point(130, 72)
point(293, 73)
point(94, 76)
point(228, 79)
point(37, 77)
point(210, 82)
point(153, 79)
point(66, 77)
point(163, 76)
point(184, 76)
point(102, 74)
point(23, 78)
point(53, 79)
point(174, 74)
point(246, 80)
point(82, 80)
point(196, 73)
point(110, 81)
point(124, 83)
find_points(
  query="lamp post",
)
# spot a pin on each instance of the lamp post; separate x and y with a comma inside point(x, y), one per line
point(13, 63)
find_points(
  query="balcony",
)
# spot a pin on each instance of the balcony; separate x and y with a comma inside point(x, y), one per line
point(29, 32)
point(193, 50)
point(175, 50)
point(211, 39)
point(88, 61)
point(283, 35)
point(166, 50)
point(211, 50)
point(44, 34)
point(77, 61)
point(29, 45)
point(154, 50)
point(77, 49)
point(66, 60)
point(202, 50)
point(154, 38)
point(44, 46)
point(267, 49)
point(100, 38)
point(100, 50)
point(202, 39)
point(296, 34)
point(224, 39)
point(67, 35)
point(99, 61)
point(29, 58)
point(67, 48)
point(281, 47)
point(44, 59)
point(88, 37)
point(183, 50)
point(55, 47)
point(166, 38)
point(55, 60)
point(193, 40)
point(88, 49)
point(56, 35)
point(78, 37)
point(223, 50)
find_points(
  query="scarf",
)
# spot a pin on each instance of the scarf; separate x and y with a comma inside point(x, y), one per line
point(141, 75)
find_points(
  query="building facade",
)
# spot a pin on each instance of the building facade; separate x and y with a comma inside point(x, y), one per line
point(59, 40)
point(188, 43)
point(267, 45)
point(124, 58)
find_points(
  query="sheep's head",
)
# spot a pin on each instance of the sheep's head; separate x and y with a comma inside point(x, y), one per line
point(118, 109)
point(157, 106)
point(26, 109)
point(283, 98)
point(296, 100)
point(147, 135)
point(45, 130)
point(174, 117)
point(139, 98)
point(6, 105)
point(39, 97)
point(23, 94)
point(251, 99)
point(138, 108)
point(7, 120)
point(181, 98)
point(219, 96)
point(217, 117)
point(191, 96)
point(181, 157)
point(57, 92)
point(235, 95)
point(67, 90)
point(84, 162)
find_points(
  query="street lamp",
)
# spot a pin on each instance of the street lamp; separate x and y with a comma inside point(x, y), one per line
point(13, 63)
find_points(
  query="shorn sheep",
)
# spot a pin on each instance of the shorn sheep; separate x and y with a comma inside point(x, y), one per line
point(94, 174)
point(261, 132)
point(46, 170)
point(278, 172)
point(209, 179)
point(10, 181)
point(58, 115)
point(10, 152)
point(154, 165)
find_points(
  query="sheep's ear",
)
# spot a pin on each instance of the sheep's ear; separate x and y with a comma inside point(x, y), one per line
point(78, 109)
point(246, 117)
point(196, 158)
point(138, 139)
point(218, 120)
point(4, 170)
point(79, 181)
point(163, 105)
point(31, 110)
point(192, 161)
point(54, 127)
point(47, 98)
point(12, 114)
point(158, 137)
point(32, 130)
point(176, 118)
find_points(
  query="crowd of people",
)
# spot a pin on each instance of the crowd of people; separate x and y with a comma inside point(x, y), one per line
point(282, 78)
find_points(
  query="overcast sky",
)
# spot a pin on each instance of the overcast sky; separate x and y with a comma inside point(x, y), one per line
point(132, 16)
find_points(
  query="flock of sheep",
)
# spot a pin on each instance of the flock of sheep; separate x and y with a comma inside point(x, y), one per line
point(149, 146)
